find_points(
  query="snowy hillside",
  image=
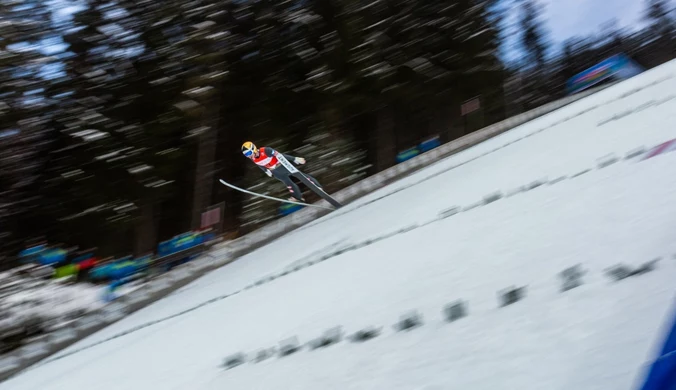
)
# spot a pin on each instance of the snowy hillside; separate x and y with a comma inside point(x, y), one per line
point(571, 188)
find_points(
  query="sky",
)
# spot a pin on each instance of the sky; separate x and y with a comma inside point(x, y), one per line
point(568, 18)
point(564, 19)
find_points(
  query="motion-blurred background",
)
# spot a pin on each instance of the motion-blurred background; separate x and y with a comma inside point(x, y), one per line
point(117, 118)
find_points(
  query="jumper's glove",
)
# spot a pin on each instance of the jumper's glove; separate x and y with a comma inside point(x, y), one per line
point(299, 160)
point(268, 172)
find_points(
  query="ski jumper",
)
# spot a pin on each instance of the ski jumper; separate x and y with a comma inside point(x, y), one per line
point(267, 160)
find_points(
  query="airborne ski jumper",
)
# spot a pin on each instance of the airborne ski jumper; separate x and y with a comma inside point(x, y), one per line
point(276, 164)
point(267, 160)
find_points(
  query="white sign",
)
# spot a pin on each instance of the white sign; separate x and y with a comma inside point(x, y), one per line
point(211, 217)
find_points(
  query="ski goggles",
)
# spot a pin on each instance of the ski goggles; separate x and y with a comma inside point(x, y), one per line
point(248, 153)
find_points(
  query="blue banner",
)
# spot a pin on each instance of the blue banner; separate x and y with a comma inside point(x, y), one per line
point(618, 67)
point(407, 154)
point(429, 144)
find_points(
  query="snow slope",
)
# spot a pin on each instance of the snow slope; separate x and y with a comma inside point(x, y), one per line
point(392, 252)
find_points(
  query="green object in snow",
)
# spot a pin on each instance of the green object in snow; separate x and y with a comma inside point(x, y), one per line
point(66, 270)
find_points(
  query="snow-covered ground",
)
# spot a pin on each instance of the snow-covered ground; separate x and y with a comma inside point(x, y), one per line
point(32, 303)
point(391, 252)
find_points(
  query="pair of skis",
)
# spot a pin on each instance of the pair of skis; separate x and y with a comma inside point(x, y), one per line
point(300, 176)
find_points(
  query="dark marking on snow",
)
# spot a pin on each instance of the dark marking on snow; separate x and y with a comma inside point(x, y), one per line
point(264, 354)
point(571, 277)
point(365, 334)
point(494, 197)
point(455, 311)
point(557, 180)
point(289, 346)
point(329, 337)
point(233, 361)
point(449, 212)
point(621, 271)
point(606, 161)
point(511, 295)
point(409, 321)
point(581, 173)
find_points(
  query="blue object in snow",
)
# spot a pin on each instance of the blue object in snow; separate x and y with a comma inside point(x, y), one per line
point(32, 251)
point(52, 256)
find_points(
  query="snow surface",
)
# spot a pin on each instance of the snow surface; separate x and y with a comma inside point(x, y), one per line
point(598, 336)
point(54, 303)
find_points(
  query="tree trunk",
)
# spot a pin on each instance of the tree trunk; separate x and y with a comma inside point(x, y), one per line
point(205, 168)
point(203, 176)
point(441, 124)
point(146, 231)
point(383, 142)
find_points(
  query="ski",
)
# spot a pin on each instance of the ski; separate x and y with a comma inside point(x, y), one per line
point(300, 176)
point(317, 190)
point(225, 183)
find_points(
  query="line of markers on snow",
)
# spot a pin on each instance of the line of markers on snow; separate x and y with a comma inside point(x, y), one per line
point(570, 278)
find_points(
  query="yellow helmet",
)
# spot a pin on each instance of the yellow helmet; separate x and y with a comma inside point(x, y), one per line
point(249, 149)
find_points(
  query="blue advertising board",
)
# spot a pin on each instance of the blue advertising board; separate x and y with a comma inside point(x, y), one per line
point(618, 67)
point(429, 144)
point(407, 154)
point(288, 208)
